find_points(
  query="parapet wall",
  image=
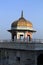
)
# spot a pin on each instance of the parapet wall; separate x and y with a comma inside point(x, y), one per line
point(22, 45)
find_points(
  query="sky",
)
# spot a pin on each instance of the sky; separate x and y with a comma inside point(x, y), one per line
point(10, 10)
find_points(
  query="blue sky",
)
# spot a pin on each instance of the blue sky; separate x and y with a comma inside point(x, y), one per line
point(10, 10)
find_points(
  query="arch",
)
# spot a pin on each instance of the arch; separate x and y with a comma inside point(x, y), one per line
point(40, 59)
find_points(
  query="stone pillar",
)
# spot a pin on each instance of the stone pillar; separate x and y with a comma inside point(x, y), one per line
point(12, 37)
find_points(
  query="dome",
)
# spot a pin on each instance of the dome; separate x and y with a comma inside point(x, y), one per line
point(21, 22)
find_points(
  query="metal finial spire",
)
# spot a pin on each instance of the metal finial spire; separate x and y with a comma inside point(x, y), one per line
point(22, 14)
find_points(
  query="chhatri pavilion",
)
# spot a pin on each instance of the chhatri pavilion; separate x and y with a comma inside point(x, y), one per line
point(21, 29)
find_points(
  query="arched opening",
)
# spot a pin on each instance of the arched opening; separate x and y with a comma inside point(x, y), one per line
point(21, 37)
point(40, 59)
point(28, 37)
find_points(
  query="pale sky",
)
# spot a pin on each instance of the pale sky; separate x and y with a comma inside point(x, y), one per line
point(10, 10)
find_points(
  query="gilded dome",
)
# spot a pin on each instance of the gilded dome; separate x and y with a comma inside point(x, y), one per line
point(21, 22)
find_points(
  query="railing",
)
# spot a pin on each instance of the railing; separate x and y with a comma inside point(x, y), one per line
point(24, 40)
point(34, 44)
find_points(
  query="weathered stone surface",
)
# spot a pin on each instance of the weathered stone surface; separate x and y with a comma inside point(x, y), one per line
point(14, 53)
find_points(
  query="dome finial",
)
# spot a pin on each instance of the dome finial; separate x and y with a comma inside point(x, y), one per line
point(22, 14)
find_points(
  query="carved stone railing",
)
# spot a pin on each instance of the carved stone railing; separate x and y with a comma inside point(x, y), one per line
point(24, 40)
point(23, 45)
